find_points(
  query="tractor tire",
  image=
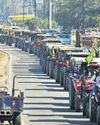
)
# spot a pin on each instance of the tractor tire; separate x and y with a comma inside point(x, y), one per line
point(61, 81)
point(47, 68)
point(86, 108)
point(30, 50)
point(17, 120)
point(67, 83)
point(64, 81)
point(19, 45)
point(77, 103)
point(50, 69)
point(54, 72)
point(98, 115)
point(92, 110)
point(58, 74)
point(45, 61)
point(72, 96)
point(9, 43)
point(53, 66)
point(25, 48)
point(15, 44)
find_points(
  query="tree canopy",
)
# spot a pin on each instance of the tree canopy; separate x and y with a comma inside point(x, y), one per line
point(77, 13)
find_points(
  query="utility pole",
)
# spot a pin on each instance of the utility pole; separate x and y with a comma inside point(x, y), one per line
point(6, 10)
point(23, 10)
point(35, 6)
point(13, 7)
point(83, 14)
point(50, 14)
point(44, 9)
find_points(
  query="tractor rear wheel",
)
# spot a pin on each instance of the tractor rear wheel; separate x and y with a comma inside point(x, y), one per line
point(98, 115)
point(77, 102)
point(72, 96)
point(85, 107)
point(92, 109)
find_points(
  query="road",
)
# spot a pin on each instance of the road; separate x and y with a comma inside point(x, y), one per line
point(46, 103)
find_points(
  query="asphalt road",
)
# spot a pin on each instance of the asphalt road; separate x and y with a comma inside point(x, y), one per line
point(46, 103)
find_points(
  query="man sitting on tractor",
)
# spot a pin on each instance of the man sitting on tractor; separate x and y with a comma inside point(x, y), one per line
point(98, 79)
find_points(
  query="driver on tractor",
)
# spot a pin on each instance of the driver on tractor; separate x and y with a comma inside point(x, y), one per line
point(96, 83)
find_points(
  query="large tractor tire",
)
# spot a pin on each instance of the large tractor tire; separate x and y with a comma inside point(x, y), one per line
point(92, 110)
point(77, 102)
point(47, 68)
point(7, 41)
point(50, 69)
point(64, 81)
point(58, 74)
point(26, 47)
point(10, 43)
point(67, 83)
point(61, 78)
point(72, 96)
point(17, 120)
point(98, 115)
point(55, 72)
point(15, 44)
point(20, 45)
point(85, 107)
point(30, 49)
point(45, 63)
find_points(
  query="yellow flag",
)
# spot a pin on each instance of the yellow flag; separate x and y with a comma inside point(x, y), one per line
point(91, 56)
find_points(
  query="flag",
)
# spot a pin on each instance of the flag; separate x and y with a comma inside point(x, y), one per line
point(90, 57)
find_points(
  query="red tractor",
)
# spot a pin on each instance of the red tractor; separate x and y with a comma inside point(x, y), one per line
point(81, 84)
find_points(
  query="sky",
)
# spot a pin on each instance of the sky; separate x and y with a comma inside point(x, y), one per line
point(39, 1)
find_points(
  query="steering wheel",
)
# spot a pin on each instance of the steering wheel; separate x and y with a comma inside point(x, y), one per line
point(3, 89)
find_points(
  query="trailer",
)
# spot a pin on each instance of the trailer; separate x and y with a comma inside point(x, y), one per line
point(11, 104)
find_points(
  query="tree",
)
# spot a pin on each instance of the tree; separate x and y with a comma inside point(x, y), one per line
point(73, 13)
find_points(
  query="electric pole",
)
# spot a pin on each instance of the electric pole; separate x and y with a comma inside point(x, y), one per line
point(50, 14)
point(83, 14)
point(6, 15)
point(44, 9)
point(35, 7)
point(23, 10)
point(13, 8)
